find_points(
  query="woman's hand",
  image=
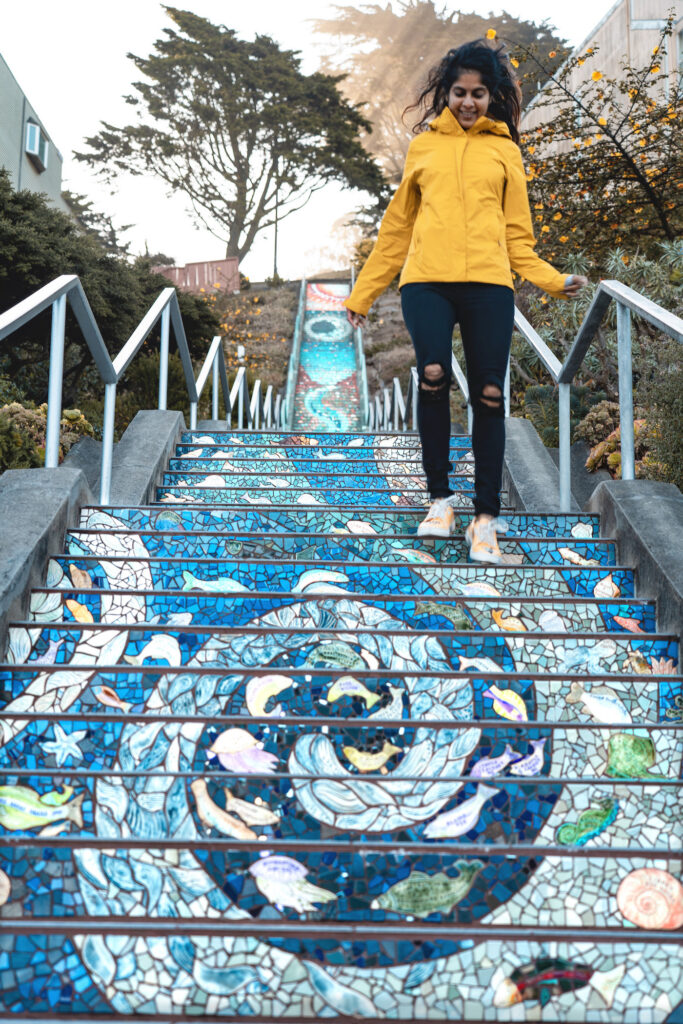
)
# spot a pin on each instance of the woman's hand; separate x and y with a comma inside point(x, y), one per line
point(573, 284)
point(355, 319)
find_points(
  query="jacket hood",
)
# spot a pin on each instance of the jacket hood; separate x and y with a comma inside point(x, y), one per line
point(447, 123)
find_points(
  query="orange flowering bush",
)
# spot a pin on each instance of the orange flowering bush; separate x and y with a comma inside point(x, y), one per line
point(609, 162)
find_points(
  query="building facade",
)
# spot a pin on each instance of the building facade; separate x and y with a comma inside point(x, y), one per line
point(628, 32)
point(206, 276)
point(27, 150)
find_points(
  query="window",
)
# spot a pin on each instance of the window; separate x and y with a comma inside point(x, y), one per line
point(36, 146)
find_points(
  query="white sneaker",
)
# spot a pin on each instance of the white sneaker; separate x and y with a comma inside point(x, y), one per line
point(439, 521)
point(483, 542)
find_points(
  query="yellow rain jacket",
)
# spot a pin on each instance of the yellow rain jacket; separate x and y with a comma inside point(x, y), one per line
point(461, 213)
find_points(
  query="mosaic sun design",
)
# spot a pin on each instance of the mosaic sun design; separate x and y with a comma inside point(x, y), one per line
point(327, 396)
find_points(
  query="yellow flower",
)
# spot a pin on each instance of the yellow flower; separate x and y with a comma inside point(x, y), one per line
point(589, 50)
point(553, 53)
point(514, 62)
point(557, 216)
point(602, 121)
point(655, 51)
point(655, 70)
point(564, 238)
point(642, 142)
point(581, 61)
point(538, 206)
point(545, 229)
point(596, 76)
point(531, 149)
point(491, 34)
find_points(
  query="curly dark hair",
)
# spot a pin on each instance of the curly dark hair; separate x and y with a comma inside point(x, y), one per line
point(497, 74)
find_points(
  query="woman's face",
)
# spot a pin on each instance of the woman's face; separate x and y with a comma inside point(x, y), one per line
point(468, 98)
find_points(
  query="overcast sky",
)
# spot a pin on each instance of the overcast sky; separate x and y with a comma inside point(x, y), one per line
point(70, 60)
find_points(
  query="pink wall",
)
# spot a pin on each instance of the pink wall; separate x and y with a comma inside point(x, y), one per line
point(194, 277)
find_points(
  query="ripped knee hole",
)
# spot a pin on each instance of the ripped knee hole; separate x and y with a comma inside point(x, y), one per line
point(434, 378)
point(491, 396)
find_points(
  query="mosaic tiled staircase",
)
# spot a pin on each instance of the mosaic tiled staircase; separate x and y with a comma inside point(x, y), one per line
point(327, 389)
point(266, 754)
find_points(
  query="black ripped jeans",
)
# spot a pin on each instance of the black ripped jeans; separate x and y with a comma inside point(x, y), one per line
point(485, 313)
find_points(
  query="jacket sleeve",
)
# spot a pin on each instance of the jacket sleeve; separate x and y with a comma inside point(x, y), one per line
point(393, 240)
point(519, 235)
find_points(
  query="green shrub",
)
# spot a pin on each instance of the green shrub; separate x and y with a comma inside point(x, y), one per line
point(598, 423)
point(607, 454)
point(661, 391)
point(22, 434)
point(540, 405)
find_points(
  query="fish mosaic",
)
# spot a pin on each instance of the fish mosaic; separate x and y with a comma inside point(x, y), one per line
point(282, 880)
point(22, 808)
point(421, 894)
point(437, 683)
point(552, 977)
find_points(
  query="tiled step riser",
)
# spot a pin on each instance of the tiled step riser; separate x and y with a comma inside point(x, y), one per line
point(338, 548)
point(337, 466)
point(463, 983)
point(299, 481)
point(300, 441)
point(326, 520)
point(263, 641)
point(304, 496)
point(470, 884)
point(642, 698)
point(283, 808)
point(508, 615)
point(230, 576)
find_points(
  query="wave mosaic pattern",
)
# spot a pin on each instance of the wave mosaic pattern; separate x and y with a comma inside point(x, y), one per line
point(327, 396)
point(289, 761)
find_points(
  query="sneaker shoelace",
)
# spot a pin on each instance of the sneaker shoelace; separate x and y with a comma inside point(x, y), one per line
point(488, 530)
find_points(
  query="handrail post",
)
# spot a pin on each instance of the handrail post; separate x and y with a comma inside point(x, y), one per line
point(506, 391)
point(628, 456)
point(163, 357)
point(565, 447)
point(193, 415)
point(214, 388)
point(240, 405)
point(416, 390)
point(54, 394)
point(107, 442)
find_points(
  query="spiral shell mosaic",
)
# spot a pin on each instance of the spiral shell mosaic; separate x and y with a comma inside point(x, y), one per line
point(265, 753)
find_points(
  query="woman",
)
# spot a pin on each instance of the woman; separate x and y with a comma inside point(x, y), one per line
point(461, 216)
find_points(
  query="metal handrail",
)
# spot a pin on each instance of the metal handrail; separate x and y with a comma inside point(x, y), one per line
point(293, 368)
point(164, 309)
point(628, 300)
point(362, 369)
